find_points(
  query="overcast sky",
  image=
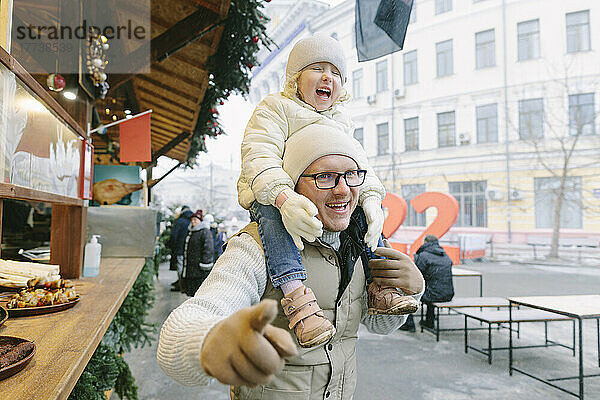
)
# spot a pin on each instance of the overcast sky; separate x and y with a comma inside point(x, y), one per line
point(224, 151)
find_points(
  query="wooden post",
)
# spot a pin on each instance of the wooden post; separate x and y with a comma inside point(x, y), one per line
point(67, 238)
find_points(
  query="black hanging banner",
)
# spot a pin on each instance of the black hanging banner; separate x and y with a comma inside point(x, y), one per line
point(380, 27)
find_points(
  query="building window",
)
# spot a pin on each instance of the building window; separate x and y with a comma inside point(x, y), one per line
point(409, 192)
point(445, 64)
point(547, 191)
point(487, 123)
point(381, 76)
point(410, 68)
point(471, 201)
point(359, 135)
point(582, 120)
point(442, 6)
point(485, 49)
point(413, 13)
point(446, 129)
point(578, 31)
point(411, 134)
point(528, 33)
point(357, 77)
point(383, 139)
point(531, 119)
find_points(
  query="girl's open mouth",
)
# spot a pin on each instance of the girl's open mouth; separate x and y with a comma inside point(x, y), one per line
point(324, 94)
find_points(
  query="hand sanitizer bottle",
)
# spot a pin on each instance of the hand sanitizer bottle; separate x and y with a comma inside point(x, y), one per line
point(91, 258)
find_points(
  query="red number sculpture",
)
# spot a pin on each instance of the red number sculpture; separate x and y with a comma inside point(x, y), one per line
point(396, 207)
point(447, 208)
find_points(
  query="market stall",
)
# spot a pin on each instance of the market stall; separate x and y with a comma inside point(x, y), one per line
point(54, 146)
point(66, 340)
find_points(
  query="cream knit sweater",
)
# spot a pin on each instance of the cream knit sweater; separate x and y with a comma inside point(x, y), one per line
point(237, 280)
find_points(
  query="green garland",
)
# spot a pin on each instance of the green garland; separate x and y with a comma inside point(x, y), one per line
point(244, 31)
point(162, 249)
point(107, 369)
point(128, 327)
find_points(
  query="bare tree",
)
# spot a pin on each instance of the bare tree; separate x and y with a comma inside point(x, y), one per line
point(564, 138)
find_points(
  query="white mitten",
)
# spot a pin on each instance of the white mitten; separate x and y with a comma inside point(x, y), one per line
point(298, 216)
point(375, 218)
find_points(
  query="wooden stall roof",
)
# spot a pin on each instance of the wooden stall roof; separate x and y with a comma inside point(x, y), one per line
point(184, 35)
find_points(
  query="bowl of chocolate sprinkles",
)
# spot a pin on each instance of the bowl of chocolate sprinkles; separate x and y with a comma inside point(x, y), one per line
point(15, 354)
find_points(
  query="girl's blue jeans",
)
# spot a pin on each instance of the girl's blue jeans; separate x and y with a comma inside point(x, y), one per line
point(281, 254)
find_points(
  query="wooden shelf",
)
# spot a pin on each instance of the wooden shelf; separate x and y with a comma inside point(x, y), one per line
point(66, 340)
point(10, 191)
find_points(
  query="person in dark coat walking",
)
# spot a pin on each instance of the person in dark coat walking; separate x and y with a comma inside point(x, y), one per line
point(198, 254)
point(218, 243)
point(179, 230)
point(436, 267)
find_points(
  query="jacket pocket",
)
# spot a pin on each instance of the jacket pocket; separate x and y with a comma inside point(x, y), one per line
point(292, 383)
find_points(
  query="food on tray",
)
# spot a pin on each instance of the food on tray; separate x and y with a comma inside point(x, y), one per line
point(43, 283)
point(16, 353)
point(52, 292)
point(5, 347)
point(17, 273)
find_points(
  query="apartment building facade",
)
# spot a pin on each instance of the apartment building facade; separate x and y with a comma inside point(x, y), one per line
point(492, 101)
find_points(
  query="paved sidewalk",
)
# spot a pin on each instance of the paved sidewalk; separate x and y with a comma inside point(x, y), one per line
point(413, 365)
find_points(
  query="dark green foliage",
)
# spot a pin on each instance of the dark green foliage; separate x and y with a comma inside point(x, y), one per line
point(125, 385)
point(87, 388)
point(99, 375)
point(107, 369)
point(128, 327)
point(230, 66)
point(163, 251)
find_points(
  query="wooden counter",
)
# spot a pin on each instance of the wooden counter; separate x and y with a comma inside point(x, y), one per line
point(66, 340)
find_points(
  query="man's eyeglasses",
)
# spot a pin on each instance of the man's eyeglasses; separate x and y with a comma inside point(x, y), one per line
point(329, 180)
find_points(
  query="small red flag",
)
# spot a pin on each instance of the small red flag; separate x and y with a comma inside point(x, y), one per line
point(135, 139)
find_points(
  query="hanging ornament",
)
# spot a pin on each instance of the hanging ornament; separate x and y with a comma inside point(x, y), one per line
point(255, 39)
point(213, 111)
point(221, 102)
point(96, 60)
point(268, 1)
point(250, 65)
point(55, 82)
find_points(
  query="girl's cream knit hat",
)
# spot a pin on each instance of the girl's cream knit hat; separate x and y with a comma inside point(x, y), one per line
point(317, 48)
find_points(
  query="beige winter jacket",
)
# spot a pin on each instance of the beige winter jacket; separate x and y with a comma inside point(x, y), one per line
point(274, 120)
point(239, 279)
point(326, 371)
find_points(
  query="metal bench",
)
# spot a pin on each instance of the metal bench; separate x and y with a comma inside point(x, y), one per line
point(457, 305)
point(499, 317)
